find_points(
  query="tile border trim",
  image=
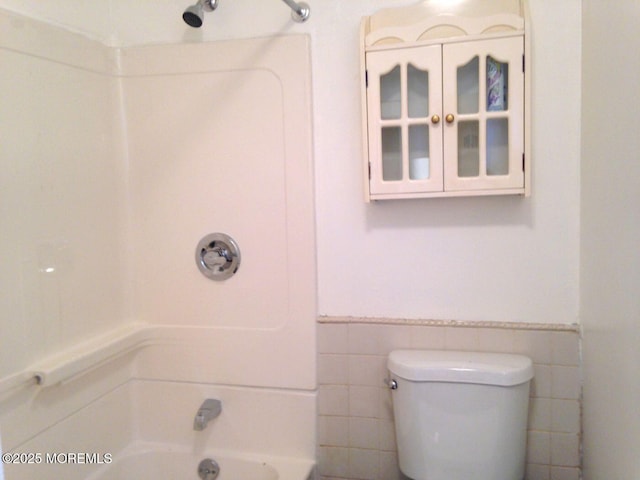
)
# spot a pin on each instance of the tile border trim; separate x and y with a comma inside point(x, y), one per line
point(555, 327)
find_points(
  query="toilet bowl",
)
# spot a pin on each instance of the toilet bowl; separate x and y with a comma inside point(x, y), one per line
point(460, 415)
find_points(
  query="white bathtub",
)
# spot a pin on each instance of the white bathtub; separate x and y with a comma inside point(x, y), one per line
point(151, 461)
point(144, 430)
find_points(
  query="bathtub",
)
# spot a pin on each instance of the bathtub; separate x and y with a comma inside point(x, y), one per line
point(151, 461)
point(144, 429)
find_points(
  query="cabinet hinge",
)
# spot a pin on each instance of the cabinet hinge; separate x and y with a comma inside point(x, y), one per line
point(366, 78)
point(369, 170)
point(523, 63)
point(523, 162)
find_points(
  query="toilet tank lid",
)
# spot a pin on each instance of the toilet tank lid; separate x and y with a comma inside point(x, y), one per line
point(465, 367)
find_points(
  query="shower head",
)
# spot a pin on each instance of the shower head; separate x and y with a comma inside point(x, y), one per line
point(194, 15)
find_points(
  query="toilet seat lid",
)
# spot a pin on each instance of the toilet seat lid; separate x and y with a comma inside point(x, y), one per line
point(500, 369)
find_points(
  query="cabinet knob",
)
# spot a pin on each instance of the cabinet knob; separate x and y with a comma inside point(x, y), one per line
point(435, 119)
point(449, 118)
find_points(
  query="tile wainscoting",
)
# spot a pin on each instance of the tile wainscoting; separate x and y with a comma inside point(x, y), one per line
point(356, 438)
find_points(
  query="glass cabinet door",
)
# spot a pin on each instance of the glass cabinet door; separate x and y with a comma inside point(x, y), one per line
point(483, 112)
point(404, 108)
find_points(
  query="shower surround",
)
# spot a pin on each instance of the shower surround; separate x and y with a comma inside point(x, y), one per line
point(116, 161)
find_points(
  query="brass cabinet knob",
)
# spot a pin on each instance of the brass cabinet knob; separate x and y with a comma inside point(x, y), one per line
point(435, 119)
point(449, 118)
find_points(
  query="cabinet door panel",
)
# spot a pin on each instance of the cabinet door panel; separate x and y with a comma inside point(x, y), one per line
point(468, 86)
point(490, 154)
point(405, 145)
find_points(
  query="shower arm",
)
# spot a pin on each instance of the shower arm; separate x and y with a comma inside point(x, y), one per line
point(299, 10)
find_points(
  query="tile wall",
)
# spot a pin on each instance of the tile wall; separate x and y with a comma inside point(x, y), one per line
point(356, 437)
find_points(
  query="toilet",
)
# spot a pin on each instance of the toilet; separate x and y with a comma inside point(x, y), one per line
point(460, 415)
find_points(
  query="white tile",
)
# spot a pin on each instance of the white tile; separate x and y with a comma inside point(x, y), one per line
point(540, 414)
point(385, 404)
point(332, 338)
point(363, 433)
point(363, 401)
point(566, 349)
point(501, 340)
point(363, 464)
point(333, 400)
point(387, 435)
point(535, 344)
point(389, 469)
point(393, 337)
point(461, 338)
point(541, 382)
point(565, 416)
point(333, 461)
point(367, 370)
point(425, 337)
point(565, 383)
point(363, 339)
point(536, 471)
point(565, 473)
point(333, 369)
point(565, 450)
point(333, 431)
point(539, 447)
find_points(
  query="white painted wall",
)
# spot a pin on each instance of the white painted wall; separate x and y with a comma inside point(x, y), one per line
point(91, 19)
point(610, 237)
point(502, 259)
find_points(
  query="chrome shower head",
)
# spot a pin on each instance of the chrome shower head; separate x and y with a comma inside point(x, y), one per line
point(194, 15)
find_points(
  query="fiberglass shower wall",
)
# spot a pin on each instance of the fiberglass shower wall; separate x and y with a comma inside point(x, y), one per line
point(220, 141)
point(115, 163)
point(62, 193)
point(63, 217)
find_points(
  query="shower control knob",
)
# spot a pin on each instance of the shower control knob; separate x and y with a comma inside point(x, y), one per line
point(218, 256)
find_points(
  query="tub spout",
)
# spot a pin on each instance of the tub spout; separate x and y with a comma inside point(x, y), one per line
point(209, 410)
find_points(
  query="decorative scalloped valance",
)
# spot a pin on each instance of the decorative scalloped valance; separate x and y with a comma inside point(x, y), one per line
point(438, 19)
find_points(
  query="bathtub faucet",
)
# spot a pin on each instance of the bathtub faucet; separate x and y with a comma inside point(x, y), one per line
point(209, 410)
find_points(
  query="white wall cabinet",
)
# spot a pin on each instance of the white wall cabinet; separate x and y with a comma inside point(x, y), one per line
point(445, 100)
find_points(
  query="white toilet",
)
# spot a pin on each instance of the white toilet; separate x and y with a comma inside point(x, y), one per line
point(460, 415)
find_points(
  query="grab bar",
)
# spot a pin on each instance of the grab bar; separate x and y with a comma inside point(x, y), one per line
point(80, 359)
point(17, 381)
point(89, 355)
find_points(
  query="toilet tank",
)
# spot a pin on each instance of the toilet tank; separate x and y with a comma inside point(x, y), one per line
point(460, 415)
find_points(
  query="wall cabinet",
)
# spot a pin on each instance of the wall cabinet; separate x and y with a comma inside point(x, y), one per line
point(445, 103)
